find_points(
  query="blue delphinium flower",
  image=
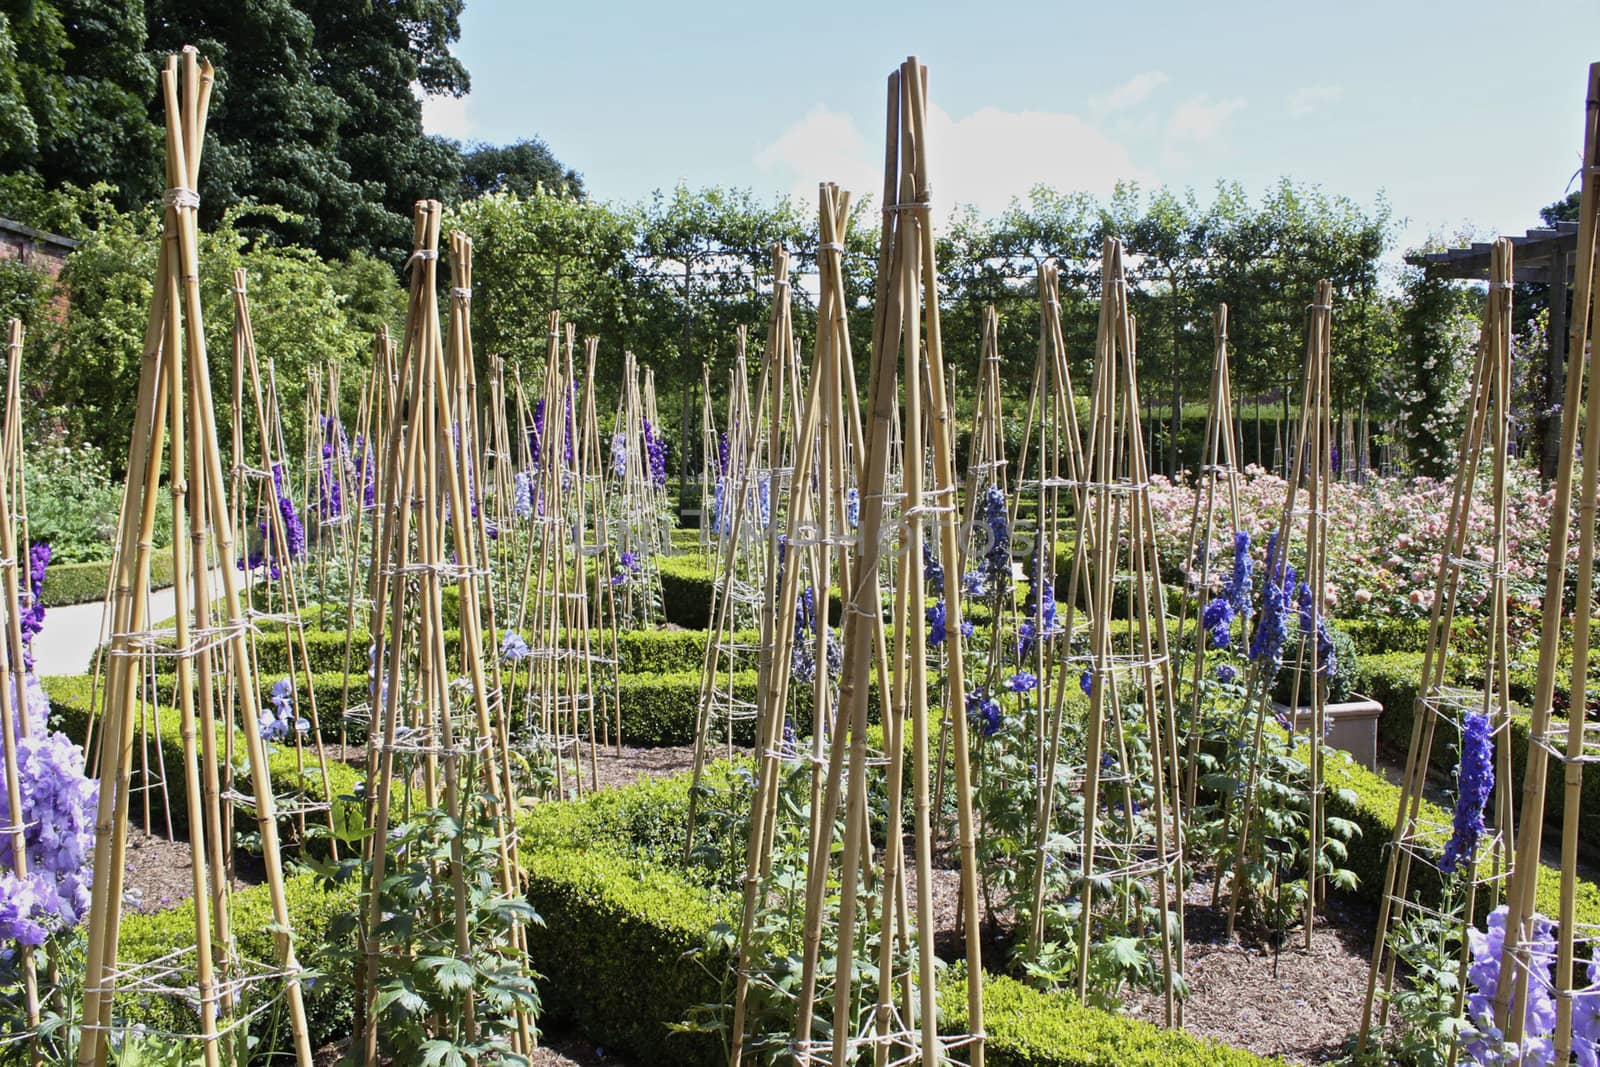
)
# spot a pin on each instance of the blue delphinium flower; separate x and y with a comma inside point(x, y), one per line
point(1226, 674)
point(1217, 621)
point(932, 569)
point(1485, 1042)
point(722, 453)
point(278, 717)
point(972, 584)
point(1022, 682)
point(983, 711)
point(1273, 630)
point(522, 495)
point(1086, 683)
point(764, 500)
point(936, 623)
point(1040, 609)
point(852, 507)
point(1474, 784)
point(995, 566)
point(803, 659)
point(1327, 659)
point(1239, 584)
point(513, 649)
point(721, 520)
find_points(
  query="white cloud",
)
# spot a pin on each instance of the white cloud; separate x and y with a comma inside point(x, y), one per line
point(983, 159)
point(1202, 118)
point(1131, 93)
point(445, 115)
point(1305, 100)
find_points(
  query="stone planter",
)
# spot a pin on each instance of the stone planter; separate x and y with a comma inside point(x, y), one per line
point(1352, 726)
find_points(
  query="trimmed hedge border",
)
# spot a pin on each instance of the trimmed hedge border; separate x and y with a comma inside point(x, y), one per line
point(613, 954)
point(69, 713)
point(83, 583)
point(1393, 679)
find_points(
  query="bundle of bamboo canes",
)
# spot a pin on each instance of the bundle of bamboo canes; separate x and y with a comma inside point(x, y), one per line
point(1576, 743)
point(175, 398)
point(1485, 866)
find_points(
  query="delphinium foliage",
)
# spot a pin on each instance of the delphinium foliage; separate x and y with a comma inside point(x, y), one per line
point(1240, 752)
point(425, 982)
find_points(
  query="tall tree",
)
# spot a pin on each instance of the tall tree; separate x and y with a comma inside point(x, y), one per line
point(75, 84)
point(374, 55)
point(524, 168)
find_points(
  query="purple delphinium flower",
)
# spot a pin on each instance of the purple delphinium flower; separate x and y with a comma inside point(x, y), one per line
point(983, 711)
point(294, 533)
point(279, 719)
point(936, 623)
point(722, 454)
point(619, 454)
point(513, 649)
point(330, 497)
point(522, 495)
point(57, 820)
point(1474, 784)
point(1485, 1042)
point(1022, 682)
point(655, 450)
point(536, 435)
point(628, 568)
point(32, 620)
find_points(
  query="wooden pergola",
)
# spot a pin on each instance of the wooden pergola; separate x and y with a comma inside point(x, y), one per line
point(1542, 257)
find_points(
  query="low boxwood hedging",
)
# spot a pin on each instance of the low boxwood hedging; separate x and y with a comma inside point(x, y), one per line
point(624, 951)
point(69, 713)
point(329, 999)
point(638, 651)
point(80, 583)
point(1392, 680)
point(1027, 1028)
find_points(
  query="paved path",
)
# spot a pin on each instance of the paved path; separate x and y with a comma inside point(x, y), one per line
point(72, 633)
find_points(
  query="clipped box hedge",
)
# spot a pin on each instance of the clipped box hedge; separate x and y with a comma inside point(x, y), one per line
point(69, 713)
point(1393, 680)
point(620, 925)
point(329, 999)
point(82, 583)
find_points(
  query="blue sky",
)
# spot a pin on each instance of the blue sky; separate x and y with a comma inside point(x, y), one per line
point(1467, 115)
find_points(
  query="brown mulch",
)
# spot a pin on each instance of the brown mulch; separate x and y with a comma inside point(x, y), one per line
point(156, 875)
point(1274, 999)
point(617, 771)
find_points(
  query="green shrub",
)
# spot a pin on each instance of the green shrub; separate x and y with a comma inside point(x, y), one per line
point(70, 713)
point(329, 999)
point(1029, 1028)
point(83, 583)
point(685, 591)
